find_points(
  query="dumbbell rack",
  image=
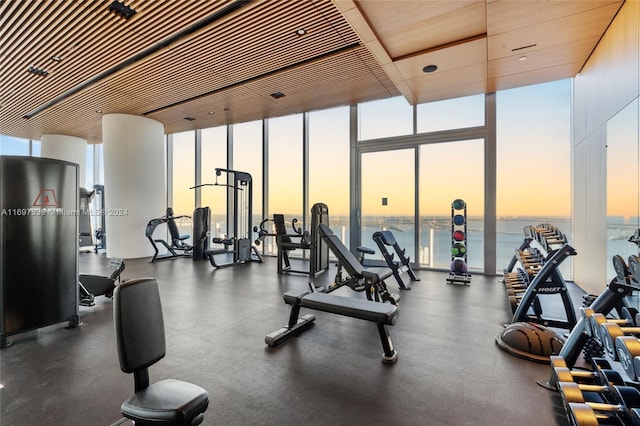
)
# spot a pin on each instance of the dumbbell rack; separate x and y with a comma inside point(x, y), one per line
point(459, 277)
point(534, 272)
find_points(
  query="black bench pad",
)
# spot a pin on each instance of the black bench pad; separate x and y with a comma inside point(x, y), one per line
point(368, 310)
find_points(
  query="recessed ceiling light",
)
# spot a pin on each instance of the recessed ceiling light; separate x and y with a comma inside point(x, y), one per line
point(522, 58)
point(300, 32)
point(56, 58)
point(211, 113)
point(189, 118)
point(99, 111)
point(429, 68)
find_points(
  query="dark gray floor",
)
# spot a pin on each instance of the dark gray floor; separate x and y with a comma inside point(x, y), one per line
point(449, 370)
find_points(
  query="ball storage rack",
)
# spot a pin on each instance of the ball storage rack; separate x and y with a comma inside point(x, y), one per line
point(459, 273)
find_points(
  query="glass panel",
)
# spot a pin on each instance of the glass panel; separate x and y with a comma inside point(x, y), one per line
point(285, 173)
point(247, 157)
point(183, 203)
point(449, 171)
point(88, 177)
point(385, 118)
point(214, 154)
point(13, 146)
point(388, 203)
point(533, 164)
point(329, 166)
point(622, 184)
point(100, 162)
point(451, 114)
point(35, 148)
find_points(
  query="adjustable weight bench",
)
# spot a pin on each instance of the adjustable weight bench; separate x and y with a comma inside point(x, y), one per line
point(369, 280)
point(382, 314)
point(403, 265)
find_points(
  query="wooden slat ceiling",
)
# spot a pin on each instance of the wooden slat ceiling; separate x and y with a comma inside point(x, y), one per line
point(218, 61)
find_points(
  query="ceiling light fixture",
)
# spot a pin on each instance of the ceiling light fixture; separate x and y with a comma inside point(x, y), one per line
point(522, 58)
point(211, 113)
point(99, 111)
point(300, 32)
point(121, 10)
point(189, 118)
point(56, 58)
point(429, 68)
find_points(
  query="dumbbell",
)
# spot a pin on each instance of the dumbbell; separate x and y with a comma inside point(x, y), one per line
point(625, 398)
point(596, 319)
point(602, 375)
point(583, 414)
point(627, 350)
point(596, 362)
point(609, 331)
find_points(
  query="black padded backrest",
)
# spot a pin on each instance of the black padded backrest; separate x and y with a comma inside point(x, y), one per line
point(344, 255)
point(139, 326)
point(171, 224)
point(281, 229)
point(386, 237)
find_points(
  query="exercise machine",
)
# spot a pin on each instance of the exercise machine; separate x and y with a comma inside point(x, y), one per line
point(238, 244)
point(101, 227)
point(384, 239)
point(178, 247)
point(85, 240)
point(382, 314)
point(359, 278)
point(303, 240)
point(534, 273)
point(92, 286)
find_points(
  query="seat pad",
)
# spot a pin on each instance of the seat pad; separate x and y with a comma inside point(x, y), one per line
point(166, 402)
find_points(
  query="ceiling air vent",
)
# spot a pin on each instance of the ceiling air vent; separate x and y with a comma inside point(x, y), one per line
point(121, 10)
point(38, 71)
point(277, 95)
point(524, 47)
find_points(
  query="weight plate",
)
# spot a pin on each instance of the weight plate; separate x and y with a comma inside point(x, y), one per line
point(634, 268)
point(620, 266)
point(627, 348)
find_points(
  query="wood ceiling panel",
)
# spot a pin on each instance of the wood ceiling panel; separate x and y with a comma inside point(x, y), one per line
point(458, 56)
point(537, 76)
point(573, 29)
point(508, 15)
point(407, 27)
point(236, 60)
point(463, 81)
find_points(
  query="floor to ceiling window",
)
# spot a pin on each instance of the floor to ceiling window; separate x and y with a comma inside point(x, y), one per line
point(247, 157)
point(214, 155)
point(623, 181)
point(329, 166)
point(450, 171)
point(388, 200)
point(183, 179)
point(533, 164)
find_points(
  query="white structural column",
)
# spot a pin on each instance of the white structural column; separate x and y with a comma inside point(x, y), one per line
point(67, 148)
point(134, 180)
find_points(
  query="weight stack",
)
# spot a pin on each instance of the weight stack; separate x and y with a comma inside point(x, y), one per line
point(201, 224)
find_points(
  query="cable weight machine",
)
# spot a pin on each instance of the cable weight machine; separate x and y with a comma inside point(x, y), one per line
point(239, 238)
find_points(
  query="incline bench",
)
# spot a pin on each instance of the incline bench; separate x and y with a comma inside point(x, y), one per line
point(403, 265)
point(382, 314)
point(369, 280)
